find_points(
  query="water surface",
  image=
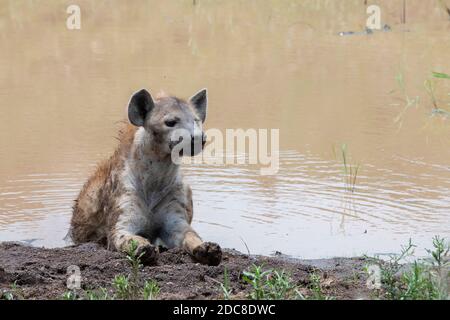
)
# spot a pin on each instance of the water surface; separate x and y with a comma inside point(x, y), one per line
point(266, 65)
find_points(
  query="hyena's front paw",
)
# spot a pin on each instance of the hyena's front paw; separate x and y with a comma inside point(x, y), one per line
point(148, 253)
point(208, 253)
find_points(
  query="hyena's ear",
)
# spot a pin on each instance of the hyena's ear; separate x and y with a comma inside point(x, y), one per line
point(141, 103)
point(200, 103)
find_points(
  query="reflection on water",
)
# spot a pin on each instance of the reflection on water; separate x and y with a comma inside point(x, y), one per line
point(266, 65)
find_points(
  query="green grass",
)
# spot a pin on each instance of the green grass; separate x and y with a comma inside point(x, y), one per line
point(70, 295)
point(440, 75)
point(423, 279)
point(399, 78)
point(401, 277)
point(151, 290)
point(431, 88)
point(14, 293)
point(257, 278)
point(124, 287)
point(408, 101)
point(225, 286)
point(316, 289)
point(135, 264)
point(350, 171)
point(268, 284)
point(98, 294)
point(272, 284)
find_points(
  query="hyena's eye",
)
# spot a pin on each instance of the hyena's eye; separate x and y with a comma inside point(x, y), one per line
point(171, 123)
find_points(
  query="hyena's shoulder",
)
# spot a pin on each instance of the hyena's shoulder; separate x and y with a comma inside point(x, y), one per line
point(107, 176)
point(96, 205)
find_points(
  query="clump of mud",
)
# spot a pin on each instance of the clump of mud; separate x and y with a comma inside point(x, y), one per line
point(40, 273)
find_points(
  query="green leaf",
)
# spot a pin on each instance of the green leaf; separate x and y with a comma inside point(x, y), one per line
point(441, 75)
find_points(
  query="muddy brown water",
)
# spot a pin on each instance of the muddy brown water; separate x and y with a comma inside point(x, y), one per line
point(266, 65)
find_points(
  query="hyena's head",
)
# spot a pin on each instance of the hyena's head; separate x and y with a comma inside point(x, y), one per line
point(173, 125)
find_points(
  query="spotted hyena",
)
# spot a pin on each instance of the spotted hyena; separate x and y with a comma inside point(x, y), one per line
point(138, 193)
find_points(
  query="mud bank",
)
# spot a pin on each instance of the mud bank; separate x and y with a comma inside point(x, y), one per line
point(41, 273)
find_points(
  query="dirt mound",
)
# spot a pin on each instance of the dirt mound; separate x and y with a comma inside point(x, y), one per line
point(40, 273)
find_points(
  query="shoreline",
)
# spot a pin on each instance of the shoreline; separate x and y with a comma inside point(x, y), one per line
point(41, 273)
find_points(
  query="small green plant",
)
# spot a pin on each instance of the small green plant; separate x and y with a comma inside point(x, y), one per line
point(122, 287)
point(408, 101)
point(430, 86)
point(70, 295)
point(423, 279)
point(98, 294)
point(390, 268)
point(440, 266)
point(316, 289)
point(350, 171)
point(225, 286)
point(135, 263)
point(6, 295)
point(417, 284)
point(151, 290)
point(269, 284)
point(279, 285)
point(129, 287)
point(255, 277)
point(399, 78)
point(440, 75)
point(15, 293)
